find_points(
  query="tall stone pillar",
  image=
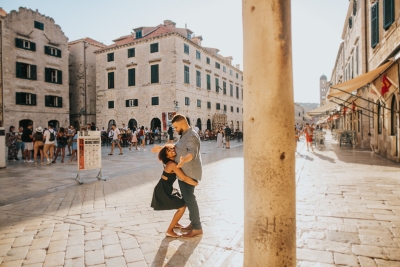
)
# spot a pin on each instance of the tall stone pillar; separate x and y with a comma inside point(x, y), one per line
point(269, 152)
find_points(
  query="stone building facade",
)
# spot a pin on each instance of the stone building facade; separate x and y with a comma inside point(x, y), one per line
point(34, 67)
point(145, 77)
point(299, 114)
point(371, 38)
point(82, 84)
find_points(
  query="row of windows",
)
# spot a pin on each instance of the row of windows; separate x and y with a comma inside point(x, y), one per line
point(154, 49)
point(155, 102)
point(31, 46)
point(154, 73)
point(388, 19)
point(28, 71)
point(28, 99)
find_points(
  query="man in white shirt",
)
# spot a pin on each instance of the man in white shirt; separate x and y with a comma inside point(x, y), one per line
point(115, 139)
point(49, 137)
point(196, 129)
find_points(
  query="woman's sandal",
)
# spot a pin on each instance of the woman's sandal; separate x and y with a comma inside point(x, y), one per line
point(110, 154)
point(174, 236)
point(120, 153)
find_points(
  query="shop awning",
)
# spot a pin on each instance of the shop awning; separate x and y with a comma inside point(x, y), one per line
point(347, 87)
point(322, 110)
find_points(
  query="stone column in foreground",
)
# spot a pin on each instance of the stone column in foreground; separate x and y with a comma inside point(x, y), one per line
point(269, 147)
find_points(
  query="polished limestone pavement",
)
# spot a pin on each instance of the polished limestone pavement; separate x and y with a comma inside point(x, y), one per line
point(348, 212)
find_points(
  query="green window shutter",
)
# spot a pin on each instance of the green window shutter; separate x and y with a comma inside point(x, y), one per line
point(18, 43)
point(18, 98)
point(351, 22)
point(33, 72)
point(47, 50)
point(374, 25)
point(33, 99)
point(59, 76)
point(388, 13)
point(131, 52)
point(47, 101)
point(154, 48)
point(110, 80)
point(208, 82)
point(127, 103)
point(60, 102)
point(58, 53)
point(47, 75)
point(18, 70)
point(32, 46)
point(216, 85)
point(131, 77)
point(135, 102)
point(154, 74)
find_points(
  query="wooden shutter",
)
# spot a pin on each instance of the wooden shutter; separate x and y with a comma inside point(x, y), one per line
point(154, 74)
point(110, 80)
point(59, 76)
point(60, 102)
point(351, 22)
point(33, 72)
point(47, 101)
point(18, 43)
point(47, 50)
point(135, 102)
point(388, 13)
point(18, 70)
point(59, 53)
point(32, 46)
point(131, 77)
point(47, 75)
point(374, 25)
point(33, 99)
point(18, 97)
point(127, 103)
point(216, 85)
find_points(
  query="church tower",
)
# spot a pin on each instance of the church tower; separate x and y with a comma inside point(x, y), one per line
point(323, 89)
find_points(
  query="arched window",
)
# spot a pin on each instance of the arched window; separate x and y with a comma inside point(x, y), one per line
point(380, 118)
point(393, 117)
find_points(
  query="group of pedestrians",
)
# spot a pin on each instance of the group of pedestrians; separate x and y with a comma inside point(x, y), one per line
point(308, 131)
point(46, 143)
point(223, 137)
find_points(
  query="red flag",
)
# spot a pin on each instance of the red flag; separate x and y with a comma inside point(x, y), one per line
point(385, 85)
point(354, 106)
point(344, 110)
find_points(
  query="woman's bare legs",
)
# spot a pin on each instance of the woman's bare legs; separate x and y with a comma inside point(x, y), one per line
point(178, 215)
point(35, 151)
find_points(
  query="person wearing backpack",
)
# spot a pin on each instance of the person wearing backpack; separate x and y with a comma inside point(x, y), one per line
point(49, 138)
point(62, 142)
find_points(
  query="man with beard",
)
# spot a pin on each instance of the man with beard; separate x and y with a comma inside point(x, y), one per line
point(189, 159)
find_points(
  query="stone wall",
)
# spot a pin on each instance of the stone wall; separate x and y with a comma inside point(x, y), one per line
point(20, 24)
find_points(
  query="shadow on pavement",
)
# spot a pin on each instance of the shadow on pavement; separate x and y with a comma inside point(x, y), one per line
point(331, 160)
point(181, 254)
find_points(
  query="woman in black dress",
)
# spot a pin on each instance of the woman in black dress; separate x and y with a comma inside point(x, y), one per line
point(165, 197)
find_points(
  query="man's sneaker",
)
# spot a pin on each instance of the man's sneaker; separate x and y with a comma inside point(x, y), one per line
point(138, 149)
point(30, 161)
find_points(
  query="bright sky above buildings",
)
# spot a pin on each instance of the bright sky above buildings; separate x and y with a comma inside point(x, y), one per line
point(317, 28)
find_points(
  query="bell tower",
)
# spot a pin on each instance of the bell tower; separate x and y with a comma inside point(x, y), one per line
point(323, 89)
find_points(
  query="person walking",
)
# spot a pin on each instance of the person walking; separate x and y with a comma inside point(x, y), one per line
point(134, 140)
point(115, 140)
point(189, 156)
point(38, 145)
point(49, 138)
point(228, 133)
point(309, 132)
point(142, 138)
point(27, 138)
point(20, 144)
point(70, 135)
point(74, 147)
point(62, 142)
point(219, 137)
point(170, 135)
point(11, 143)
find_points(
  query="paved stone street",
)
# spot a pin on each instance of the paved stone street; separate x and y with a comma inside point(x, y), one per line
point(348, 212)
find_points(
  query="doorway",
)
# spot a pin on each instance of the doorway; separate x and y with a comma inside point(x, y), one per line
point(24, 123)
point(132, 123)
point(209, 124)
point(55, 123)
point(155, 122)
point(198, 123)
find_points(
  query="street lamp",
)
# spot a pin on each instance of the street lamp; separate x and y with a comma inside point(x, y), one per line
point(176, 106)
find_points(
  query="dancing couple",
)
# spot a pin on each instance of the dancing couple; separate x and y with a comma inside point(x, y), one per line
point(182, 159)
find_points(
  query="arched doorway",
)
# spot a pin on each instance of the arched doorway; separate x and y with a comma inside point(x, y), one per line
point(132, 123)
point(209, 124)
point(155, 122)
point(188, 120)
point(198, 123)
point(55, 123)
point(231, 125)
point(25, 123)
point(394, 117)
point(111, 122)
